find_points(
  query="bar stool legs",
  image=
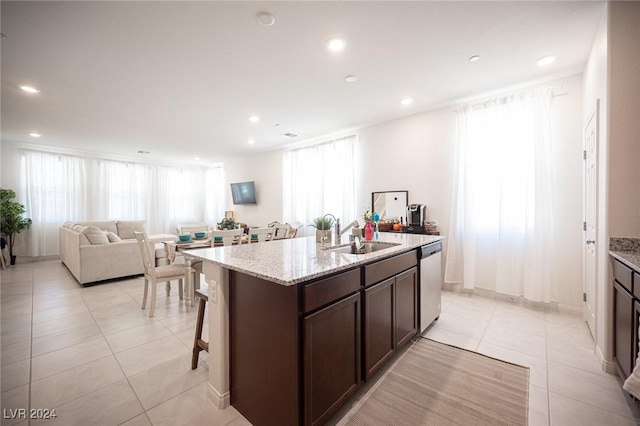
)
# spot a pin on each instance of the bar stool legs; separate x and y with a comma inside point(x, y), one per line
point(198, 343)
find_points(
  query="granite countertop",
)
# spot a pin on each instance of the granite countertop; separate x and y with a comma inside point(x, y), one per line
point(626, 250)
point(295, 260)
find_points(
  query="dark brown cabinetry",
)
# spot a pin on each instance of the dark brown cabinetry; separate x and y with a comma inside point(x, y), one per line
point(391, 314)
point(625, 318)
point(380, 339)
point(296, 353)
point(332, 358)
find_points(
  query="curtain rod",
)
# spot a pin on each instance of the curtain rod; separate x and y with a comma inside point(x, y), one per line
point(553, 95)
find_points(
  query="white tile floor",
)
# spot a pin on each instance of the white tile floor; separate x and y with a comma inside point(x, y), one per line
point(95, 357)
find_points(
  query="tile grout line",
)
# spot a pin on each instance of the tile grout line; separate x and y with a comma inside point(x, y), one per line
point(546, 366)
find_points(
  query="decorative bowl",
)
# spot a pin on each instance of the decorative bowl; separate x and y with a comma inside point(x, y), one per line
point(217, 238)
point(185, 237)
point(200, 234)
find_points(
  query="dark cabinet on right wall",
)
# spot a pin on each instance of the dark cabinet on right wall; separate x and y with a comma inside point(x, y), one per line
point(625, 314)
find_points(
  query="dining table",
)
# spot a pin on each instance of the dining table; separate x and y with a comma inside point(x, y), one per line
point(173, 247)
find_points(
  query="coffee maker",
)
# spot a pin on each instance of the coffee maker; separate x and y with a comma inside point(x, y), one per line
point(416, 215)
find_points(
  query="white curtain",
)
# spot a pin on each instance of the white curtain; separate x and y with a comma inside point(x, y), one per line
point(320, 179)
point(56, 188)
point(501, 227)
point(53, 190)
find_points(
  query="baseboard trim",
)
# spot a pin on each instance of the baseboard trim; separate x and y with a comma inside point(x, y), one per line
point(607, 366)
point(221, 401)
point(516, 300)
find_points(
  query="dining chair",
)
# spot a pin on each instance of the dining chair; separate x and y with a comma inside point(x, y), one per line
point(155, 274)
point(281, 231)
point(260, 234)
point(228, 236)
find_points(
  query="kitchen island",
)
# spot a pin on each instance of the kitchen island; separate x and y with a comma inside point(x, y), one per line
point(294, 327)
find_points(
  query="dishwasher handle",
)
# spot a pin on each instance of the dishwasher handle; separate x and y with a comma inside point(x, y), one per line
point(429, 250)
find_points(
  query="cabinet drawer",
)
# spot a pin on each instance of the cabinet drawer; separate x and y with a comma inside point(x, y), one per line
point(325, 291)
point(623, 275)
point(389, 267)
point(636, 285)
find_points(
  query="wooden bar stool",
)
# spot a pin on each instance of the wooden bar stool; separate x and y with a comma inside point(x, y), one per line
point(198, 343)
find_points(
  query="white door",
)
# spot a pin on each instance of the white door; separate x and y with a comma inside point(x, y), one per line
point(590, 216)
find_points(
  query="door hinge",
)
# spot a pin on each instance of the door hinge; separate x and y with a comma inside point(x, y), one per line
point(584, 155)
point(584, 226)
point(584, 297)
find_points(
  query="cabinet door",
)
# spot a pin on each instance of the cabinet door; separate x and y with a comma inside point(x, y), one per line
point(332, 358)
point(379, 337)
point(636, 338)
point(624, 329)
point(406, 298)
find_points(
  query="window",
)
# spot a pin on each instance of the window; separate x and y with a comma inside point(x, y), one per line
point(56, 188)
point(320, 179)
point(501, 228)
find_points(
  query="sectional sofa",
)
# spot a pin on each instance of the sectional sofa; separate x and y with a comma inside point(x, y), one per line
point(97, 251)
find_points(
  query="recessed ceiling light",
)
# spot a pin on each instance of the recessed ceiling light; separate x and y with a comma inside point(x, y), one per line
point(35, 135)
point(265, 18)
point(251, 141)
point(474, 58)
point(406, 101)
point(196, 158)
point(254, 118)
point(351, 78)
point(336, 45)
point(29, 89)
point(545, 60)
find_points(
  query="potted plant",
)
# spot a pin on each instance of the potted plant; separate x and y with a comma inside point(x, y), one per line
point(12, 219)
point(228, 223)
point(323, 228)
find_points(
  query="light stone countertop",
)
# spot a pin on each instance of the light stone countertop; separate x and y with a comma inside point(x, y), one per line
point(292, 261)
point(626, 250)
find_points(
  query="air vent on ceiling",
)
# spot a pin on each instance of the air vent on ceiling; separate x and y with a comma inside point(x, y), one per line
point(290, 135)
point(143, 152)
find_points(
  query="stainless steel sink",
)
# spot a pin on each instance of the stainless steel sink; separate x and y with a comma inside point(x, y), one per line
point(367, 247)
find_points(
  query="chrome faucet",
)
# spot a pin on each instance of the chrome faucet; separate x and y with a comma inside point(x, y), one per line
point(338, 231)
point(337, 221)
point(349, 226)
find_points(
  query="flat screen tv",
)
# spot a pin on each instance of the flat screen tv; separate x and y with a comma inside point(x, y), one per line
point(243, 193)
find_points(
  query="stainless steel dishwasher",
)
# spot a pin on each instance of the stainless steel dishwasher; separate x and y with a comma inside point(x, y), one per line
point(430, 257)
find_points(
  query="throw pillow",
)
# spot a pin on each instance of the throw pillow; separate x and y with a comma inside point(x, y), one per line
point(126, 228)
point(113, 237)
point(95, 235)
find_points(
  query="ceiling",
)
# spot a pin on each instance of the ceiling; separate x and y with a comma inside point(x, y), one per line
point(180, 79)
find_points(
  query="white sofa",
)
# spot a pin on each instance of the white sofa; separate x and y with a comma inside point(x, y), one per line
point(91, 250)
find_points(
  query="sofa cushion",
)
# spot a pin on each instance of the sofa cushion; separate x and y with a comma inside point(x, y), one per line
point(107, 225)
point(95, 235)
point(126, 228)
point(79, 228)
point(113, 237)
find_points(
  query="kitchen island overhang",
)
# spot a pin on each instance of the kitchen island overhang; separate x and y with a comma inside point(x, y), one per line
point(285, 267)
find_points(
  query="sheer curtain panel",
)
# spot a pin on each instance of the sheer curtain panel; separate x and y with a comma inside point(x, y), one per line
point(53, 190)
point(320, 179)
point(56, 188)
point(501, 227)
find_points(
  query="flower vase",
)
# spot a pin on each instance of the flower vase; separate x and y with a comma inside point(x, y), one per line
point(368, 231)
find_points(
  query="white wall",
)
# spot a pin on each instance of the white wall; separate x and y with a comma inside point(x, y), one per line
point(266, 171)
point(416, 153)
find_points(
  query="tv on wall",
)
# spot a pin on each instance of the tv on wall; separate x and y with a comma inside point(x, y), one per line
point(243, 193)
